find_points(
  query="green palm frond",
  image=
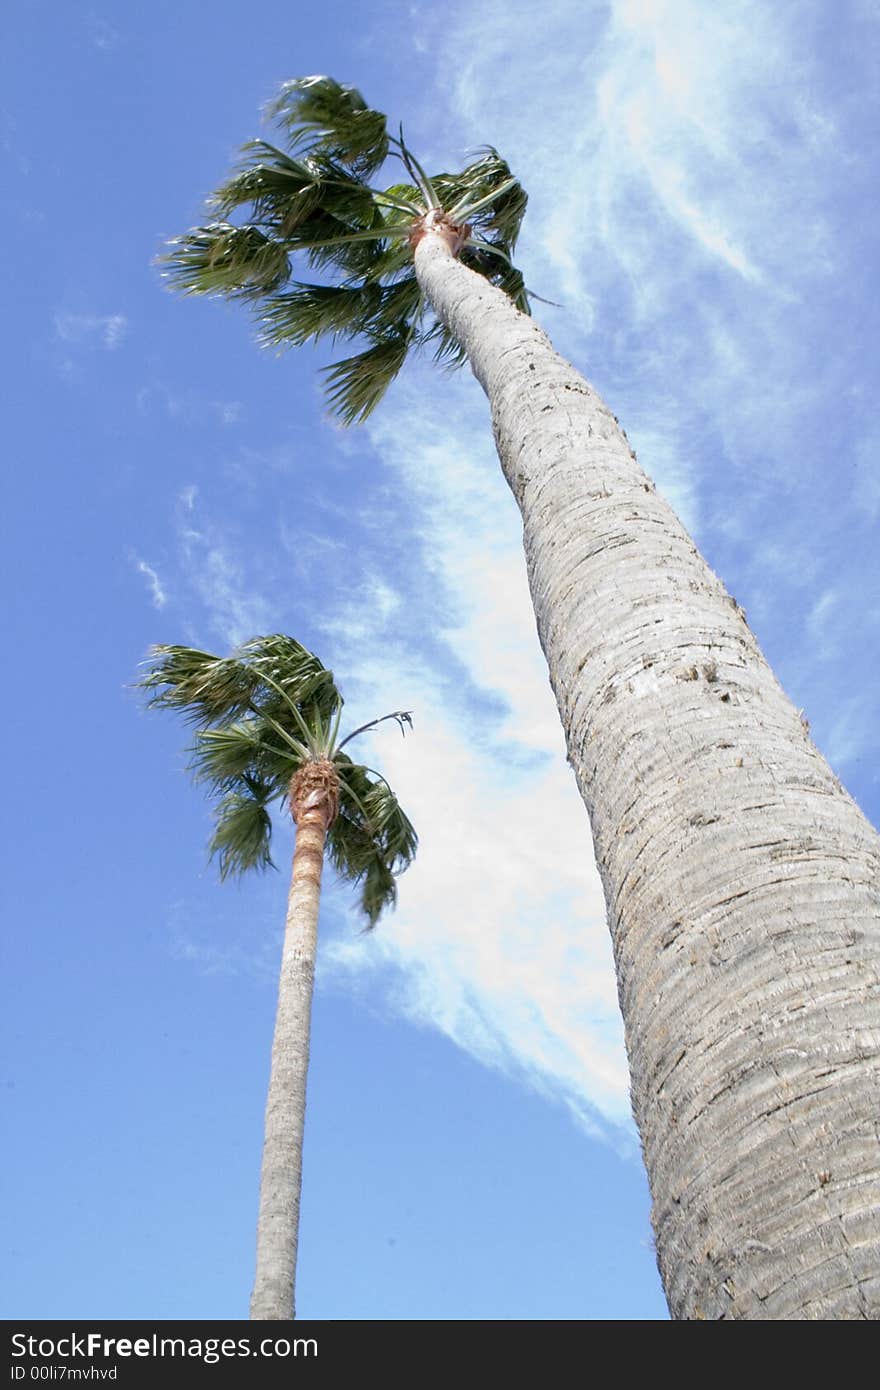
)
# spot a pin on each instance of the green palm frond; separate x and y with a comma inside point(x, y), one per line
point(206, 689)
point(291, 667)
point(214, 691)
point(371, 840)
point(448, 351)
point(243, 829)
point(221, 757)
point(326, 241)
point(238, 262)
point(356, 385)
point(328, 118)
point(378, 891)
point(487, 195)
point(392, 258)
point(312, 311)
point(406, 195)
point(279, 190)
point(398, 304)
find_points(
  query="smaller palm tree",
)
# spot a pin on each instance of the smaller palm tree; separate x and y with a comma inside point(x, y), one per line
point(267, 724)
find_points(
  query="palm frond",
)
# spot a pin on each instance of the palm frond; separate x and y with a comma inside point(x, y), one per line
point(311, 311)
point(390, 260)
point(238, 262)
point(448, 351)
point(486, 194)
point(371, 840)
point(221, 757)
point(206, 689)
point(275, 188)
point(294, 670)
point(391, 826)
point(243, 829)
point(356, 385)
point(327, 241)
point(214, 691)
point(404, 198)
point(397, 305)
point(326, 117)
point(378, 891)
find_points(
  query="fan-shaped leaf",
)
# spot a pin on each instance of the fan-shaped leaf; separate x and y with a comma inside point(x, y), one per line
point(243, 830)
point(371, 840)
point(357, 384)
point(323, 115)
point(310, 311)
point(239, 262)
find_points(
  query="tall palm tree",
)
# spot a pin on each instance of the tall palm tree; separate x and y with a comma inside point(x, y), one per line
point(740, 878)
point(267, 731)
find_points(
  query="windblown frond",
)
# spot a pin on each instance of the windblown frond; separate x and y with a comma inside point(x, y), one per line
point(328, 118)
point(310, 311)
point(207, 689)
point(279, 191)
point(357, 384)
point(239, 262)
point(486, 195)
point(243, 829)
point(213, 691)
point(302, 678)
point(250, 747)
point(371, 840)
point(448, 350)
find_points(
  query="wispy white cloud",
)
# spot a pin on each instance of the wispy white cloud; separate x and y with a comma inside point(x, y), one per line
point(209, 932)
point(499, 939)
point(188, 406)
point(215, 574)
point(102, 33)
point(158, 593)
point(92, 330)
point(673, 148)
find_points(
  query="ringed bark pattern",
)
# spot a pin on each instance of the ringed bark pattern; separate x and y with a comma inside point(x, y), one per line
point(281, 1174)
point(742, 882)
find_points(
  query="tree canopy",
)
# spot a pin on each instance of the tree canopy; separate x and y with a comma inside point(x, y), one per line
point(260, 716)
point(312, 202)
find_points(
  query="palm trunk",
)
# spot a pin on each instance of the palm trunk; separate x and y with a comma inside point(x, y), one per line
point(281, 1178)
point(742, 882)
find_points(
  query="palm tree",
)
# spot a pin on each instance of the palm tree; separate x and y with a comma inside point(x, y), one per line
point(267, 730)
point(740, 878)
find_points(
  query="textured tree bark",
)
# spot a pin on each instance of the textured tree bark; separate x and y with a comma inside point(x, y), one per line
point(281, 1178)
point(742, 882)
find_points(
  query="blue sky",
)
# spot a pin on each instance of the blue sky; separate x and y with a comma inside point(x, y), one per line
point(702, 183)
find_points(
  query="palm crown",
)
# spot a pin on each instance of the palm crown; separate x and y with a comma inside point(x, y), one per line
point(313, 199)
point(262, 715)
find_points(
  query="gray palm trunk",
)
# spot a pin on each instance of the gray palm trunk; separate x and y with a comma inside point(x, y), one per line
point(281, 1176)
point(742, 882)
